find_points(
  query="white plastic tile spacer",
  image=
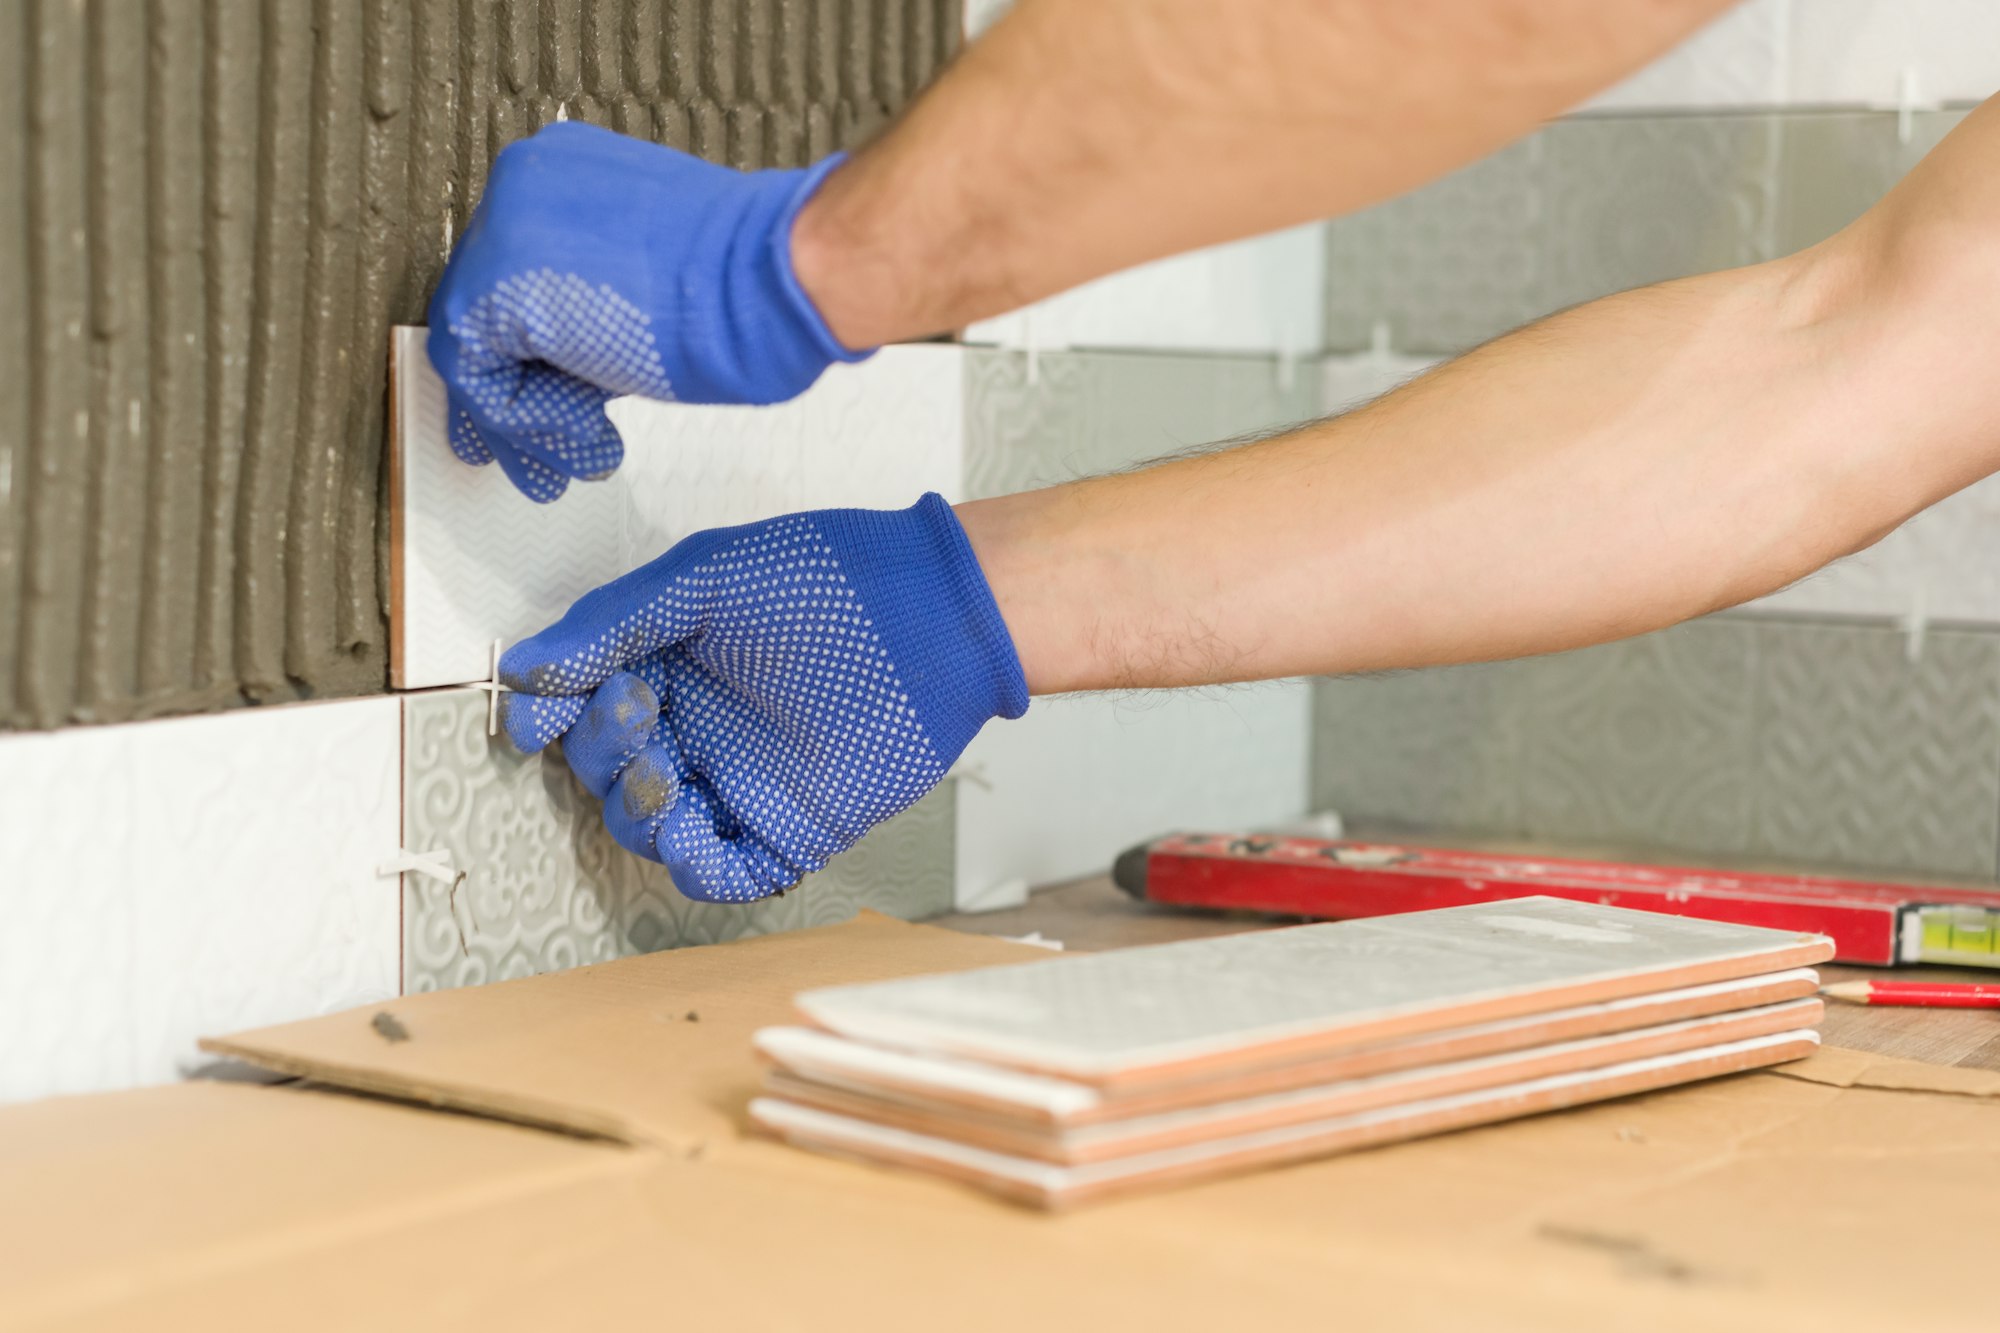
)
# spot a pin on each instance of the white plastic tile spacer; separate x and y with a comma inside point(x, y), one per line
point(1915, 624)
point(493, 689)
point(1906, 103)
point(436, 865)
point(1031, 347)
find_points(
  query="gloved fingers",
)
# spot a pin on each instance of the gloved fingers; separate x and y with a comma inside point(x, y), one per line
point(532, 477)
point(705, 864)
point(533, 720)
point(564, 425)
point(614, 726)
point(465, 439)
point(644, 795)
point(543, 412)
point(615, 627)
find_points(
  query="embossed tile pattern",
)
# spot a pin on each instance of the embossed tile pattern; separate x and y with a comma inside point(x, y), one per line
point(174, 879)
point(1728, 736)
point(1093, 412)
point(1583, 208)
point(547, 888)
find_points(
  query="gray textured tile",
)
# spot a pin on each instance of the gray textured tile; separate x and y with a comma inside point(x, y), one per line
point(1447, 266)
point(1872, 759)
point(1836, 164)
point(1094, 412)
point(1591, 206)
point(1729, 736)
point(1635, 201)
point(546, 887)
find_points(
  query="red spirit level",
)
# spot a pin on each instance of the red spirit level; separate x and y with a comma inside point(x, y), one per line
point(1870, 921)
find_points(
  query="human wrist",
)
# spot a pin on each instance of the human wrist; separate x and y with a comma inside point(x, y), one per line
point(1023, 545)
point(916, 579)
point(889, 251)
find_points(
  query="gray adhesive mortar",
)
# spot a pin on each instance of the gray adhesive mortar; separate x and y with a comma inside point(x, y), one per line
point(211, 214)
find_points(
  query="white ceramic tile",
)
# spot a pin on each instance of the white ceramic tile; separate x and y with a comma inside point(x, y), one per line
point(1256, 295)
point(1738, 60)
point(875, 436)
point(473, 559)
point(981, 14)
point(1825, 53)
point(1944, 564)
point(173, 879)
point(1060, 792)
point(1857, 51)
point(1328, 986)
point(477, 562)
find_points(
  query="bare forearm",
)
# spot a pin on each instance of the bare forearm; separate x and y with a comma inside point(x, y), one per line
point(1614, 469)
point(1083, 136)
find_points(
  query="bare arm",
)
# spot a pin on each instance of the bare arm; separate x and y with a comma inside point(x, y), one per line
point(1611, 470)
point(1079, 137)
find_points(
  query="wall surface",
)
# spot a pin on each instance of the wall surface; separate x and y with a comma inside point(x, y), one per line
point(1848, 721)
point(210, 215)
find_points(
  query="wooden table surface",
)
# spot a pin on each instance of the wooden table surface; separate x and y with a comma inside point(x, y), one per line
point(1095, 914)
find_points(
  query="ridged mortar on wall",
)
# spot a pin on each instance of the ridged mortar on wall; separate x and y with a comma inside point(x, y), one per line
point(213, 213)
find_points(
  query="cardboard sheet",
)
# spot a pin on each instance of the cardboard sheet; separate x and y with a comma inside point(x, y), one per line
point(1805, 1198)
point(652, 1049)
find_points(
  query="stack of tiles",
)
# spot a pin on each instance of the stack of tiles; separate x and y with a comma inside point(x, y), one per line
point(1064, 1081)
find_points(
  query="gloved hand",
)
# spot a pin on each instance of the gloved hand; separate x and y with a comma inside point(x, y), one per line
point(598, 265)
point(757, 698)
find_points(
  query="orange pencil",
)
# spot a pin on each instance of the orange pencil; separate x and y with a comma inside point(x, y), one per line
point(1937, 994)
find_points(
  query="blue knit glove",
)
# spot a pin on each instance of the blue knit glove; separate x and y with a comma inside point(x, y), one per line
point(599, 265)
point(757, 698)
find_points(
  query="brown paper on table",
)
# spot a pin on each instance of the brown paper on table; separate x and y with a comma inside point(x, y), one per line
point(1814, 1196)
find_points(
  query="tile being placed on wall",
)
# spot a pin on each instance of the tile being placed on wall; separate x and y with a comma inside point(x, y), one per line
point(1256, 295)
point(1820, 744)
point(474, 561)
point(875, 435)
point(471, 558)
point(181, 878)
point(547, 888)
point(1582, 209)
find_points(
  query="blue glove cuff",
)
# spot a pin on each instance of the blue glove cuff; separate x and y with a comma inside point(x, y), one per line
point(787, 278)
point(946, 636)
point(750, 333)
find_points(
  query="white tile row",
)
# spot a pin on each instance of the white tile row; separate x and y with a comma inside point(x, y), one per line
point(1771, 53)
point(1261, 295)
point(173, 879)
